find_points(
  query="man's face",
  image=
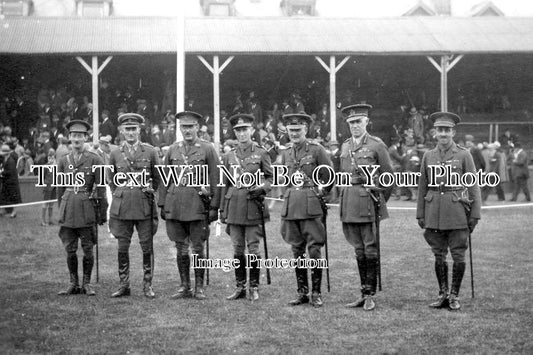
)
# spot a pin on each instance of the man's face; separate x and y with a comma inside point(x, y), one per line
point(358, 126)
point(131, 133)
point(244, 134)
point(105, 147)
point(77, 140)
point(297, 135)
point(189, 131)
point(444, 135)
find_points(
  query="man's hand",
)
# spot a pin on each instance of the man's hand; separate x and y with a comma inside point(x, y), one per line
point(421, 223)
point(472, 223)
point(256, 192)
point(213, 215)
point(163, 215)
point(102, 212)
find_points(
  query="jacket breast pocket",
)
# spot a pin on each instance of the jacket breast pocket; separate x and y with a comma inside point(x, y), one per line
point(116, 203)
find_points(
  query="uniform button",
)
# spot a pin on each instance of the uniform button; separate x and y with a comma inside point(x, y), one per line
point(442, 182)
point(442, 193)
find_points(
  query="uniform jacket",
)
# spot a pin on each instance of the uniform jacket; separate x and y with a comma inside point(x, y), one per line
point(182, 202)
point(129, 202)
point(237, 207)
point(76, 208)
point(304, 203)
point(357, 205)
point(443, 210)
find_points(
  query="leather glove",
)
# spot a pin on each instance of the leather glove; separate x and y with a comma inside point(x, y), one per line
point(256, 192)
point(102, 212)
point(472, 222)
point(421, 223)
point(163, 215)
point(213, 215)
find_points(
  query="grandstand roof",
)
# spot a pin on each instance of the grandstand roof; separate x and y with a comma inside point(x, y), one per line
point(238, 35)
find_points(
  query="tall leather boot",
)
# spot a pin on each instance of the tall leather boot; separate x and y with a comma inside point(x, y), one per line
point(148, 269)
point(371, 283)
point(86, 288)
point(240, 278)
point(255, 272)
point(316, 280)
point(303, 287)
point(124, 275)
point(441, 270)
point(361, 265)
point(457, 277)
point(184, 265)
point(199, 292)
point(72, 264)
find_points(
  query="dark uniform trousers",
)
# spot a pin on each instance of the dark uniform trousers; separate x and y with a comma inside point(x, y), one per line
point(77, 217)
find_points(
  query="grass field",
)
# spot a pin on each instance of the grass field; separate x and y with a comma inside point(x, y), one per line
point(33, 319)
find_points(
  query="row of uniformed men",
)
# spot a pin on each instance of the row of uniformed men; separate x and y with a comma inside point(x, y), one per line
point(188, 211)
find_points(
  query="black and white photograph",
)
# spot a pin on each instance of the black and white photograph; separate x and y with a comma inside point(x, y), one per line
point(266, 176)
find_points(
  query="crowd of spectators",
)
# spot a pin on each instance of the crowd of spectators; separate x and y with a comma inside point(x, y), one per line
point(35, 130)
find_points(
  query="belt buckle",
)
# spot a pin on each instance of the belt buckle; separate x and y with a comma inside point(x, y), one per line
point(76, 189)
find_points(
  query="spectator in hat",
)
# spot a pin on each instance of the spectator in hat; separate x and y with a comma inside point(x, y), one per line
point(520, 172)
point(9, 182)
point(107, 128)
point(493, 167)
point(49, 192)
point(479, 161)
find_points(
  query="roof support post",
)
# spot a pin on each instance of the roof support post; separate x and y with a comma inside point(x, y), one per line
point(444, 67)
point(180, 65)
point(216, 69)
point(332, 69)
point(94, 70)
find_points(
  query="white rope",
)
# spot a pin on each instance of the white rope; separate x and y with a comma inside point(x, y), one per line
point(530, 204)
point(27, 204)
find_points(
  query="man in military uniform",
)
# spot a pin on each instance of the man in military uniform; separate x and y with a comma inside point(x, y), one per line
point(242, 207)
point(77, 214)
point(133, 202)
point(188, 210)
point(447, 213)
point(301, 213)
point(358, 201)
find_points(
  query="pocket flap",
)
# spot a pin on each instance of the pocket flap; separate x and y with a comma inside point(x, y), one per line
point(118, 193)
point(428, 197)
